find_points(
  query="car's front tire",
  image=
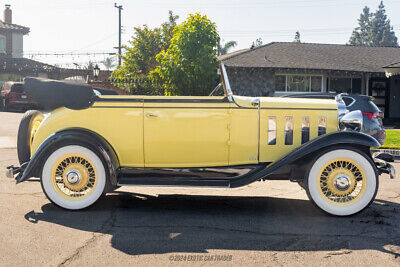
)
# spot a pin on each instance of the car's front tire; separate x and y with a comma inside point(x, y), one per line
point(73, 177)
point(342, 182)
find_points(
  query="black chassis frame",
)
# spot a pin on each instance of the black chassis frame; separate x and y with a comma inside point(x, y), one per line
point(293, 166)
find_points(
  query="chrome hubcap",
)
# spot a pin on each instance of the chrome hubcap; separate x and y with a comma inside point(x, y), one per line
point(342, 182)
point(73, 177)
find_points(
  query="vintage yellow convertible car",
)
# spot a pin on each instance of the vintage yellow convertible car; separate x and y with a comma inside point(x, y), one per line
point(88, 145)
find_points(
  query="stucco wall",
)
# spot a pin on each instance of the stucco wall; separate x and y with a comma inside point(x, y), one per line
point(251, 81)
point(17, 45)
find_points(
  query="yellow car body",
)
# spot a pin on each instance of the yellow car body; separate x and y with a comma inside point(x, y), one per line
point(88, 145)
point(178, 132)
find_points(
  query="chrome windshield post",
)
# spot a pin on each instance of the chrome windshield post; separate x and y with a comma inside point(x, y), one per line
point(227, 84)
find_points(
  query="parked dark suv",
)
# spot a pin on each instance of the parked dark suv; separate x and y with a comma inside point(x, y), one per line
point(13, 97)
point(372, 115)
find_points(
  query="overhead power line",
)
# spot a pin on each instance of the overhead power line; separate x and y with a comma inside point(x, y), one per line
point(69, 54)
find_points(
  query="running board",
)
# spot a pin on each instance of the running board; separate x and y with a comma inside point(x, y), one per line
point(125, 179)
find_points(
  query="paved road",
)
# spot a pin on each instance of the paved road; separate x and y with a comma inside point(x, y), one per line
point(269, 223)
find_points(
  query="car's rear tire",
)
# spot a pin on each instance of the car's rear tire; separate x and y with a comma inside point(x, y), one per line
point(342, 182)
point(27, 129)
point(73, 177)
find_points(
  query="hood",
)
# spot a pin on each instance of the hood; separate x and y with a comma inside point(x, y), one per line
point(287, 103)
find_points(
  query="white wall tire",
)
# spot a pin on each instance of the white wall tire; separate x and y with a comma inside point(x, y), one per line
point(324, 187)
point(87, 190)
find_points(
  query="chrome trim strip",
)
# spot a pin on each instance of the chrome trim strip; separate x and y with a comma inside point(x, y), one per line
point(257, 102)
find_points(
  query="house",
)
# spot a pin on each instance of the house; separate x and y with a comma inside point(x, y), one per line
point(280, 68)
point(11, 36)
point(14, 67)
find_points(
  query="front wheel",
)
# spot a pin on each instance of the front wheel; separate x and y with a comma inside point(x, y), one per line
point(73, 177)
point(342, 182)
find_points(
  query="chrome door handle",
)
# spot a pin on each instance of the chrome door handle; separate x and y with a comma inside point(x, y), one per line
point(150, 115)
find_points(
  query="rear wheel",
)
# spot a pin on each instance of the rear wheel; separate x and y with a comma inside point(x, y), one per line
point(28, 127)
point(342, 182)
point(73, 177)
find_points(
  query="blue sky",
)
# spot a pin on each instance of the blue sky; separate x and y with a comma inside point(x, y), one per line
point(92, 26)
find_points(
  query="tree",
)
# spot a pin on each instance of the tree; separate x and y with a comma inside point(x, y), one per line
point(381, 30)
point(140, 55)
point(189, 65)
point(168, 28)
point(223, 49)
point(297, 37)
point(90, 65)
point(109, 63)
point(361, 34)
point(374, 29)
point(257, 42)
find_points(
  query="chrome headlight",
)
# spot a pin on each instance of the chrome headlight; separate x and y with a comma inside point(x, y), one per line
point(352, 121)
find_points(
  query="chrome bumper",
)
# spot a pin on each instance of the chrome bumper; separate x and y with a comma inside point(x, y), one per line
point(15, 172)
point(383, 163)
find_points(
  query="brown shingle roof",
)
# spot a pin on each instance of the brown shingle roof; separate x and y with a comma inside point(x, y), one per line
point(315, 56)
point(14, 27)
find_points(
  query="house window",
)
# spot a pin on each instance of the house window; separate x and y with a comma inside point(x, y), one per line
point(280, 83)
point(316, 83)
point(2, 44)
point(340, 85)
point(298, 83)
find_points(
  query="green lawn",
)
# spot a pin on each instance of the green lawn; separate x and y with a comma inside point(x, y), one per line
point(392, 139)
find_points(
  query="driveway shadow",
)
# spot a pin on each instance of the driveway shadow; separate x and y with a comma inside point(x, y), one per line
point(142, 224)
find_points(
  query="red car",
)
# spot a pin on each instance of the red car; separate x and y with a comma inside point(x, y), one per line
point(13, 97)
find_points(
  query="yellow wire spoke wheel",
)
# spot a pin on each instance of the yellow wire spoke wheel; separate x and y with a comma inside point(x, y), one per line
point(342, 182)
point(74, 177)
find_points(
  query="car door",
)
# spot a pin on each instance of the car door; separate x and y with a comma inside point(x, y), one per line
point(186, 131)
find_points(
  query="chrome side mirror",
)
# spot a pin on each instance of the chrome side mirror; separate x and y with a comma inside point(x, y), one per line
point(352, 121)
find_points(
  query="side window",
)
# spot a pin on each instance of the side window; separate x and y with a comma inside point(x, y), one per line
point(17, 88)
point(2, 44)
point(348, 101)
point(271, 130)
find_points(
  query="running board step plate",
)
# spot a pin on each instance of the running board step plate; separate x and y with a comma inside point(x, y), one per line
point(185, 181)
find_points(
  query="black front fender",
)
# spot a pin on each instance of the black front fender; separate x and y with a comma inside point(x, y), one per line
point(345, 138)
point(76, 136)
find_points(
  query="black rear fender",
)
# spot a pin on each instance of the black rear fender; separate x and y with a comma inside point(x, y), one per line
point(78, 136)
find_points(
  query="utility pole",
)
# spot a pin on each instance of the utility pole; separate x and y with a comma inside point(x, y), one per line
point(119, 33)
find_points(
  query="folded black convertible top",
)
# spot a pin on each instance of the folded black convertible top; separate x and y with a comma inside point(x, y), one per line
point(52, 94)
